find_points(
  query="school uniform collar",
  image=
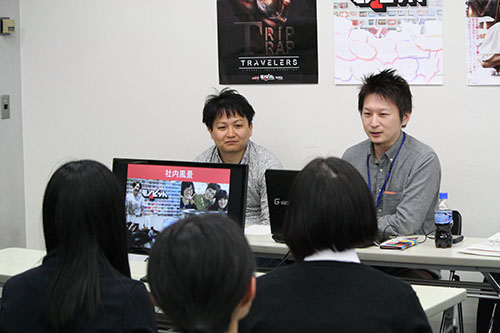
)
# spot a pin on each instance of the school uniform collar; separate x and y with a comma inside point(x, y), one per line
point(330, 255)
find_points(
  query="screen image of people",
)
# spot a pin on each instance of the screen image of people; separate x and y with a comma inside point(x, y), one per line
point(205, 200)
point(153, 204)
point(221, 201)
point(187, 193)
point(134, 202)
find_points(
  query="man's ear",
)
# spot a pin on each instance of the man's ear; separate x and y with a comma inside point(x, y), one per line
point(210, 131)
point(251, 128)
point(406, 119)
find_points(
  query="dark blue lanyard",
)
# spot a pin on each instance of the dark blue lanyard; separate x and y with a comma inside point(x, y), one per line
point(382, 190)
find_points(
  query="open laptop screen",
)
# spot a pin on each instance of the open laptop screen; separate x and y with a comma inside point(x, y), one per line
point(159, 193)
point(278, 185)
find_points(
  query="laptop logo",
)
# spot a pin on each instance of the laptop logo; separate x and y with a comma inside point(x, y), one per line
point(279, 202)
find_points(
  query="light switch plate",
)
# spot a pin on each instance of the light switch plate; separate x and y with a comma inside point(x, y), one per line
point(7, 26)
point(5, 106)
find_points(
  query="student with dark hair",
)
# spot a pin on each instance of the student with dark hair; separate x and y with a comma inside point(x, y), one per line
point(402, 173)
point(228, 117)
point(83, 284)
point(187, 193)
point(221, 201)
point(201, 274)
point(331, 212)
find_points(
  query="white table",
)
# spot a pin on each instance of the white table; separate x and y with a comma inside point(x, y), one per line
point(138, 266)
point(17, 260)
point(435, 300)
point(424, 255)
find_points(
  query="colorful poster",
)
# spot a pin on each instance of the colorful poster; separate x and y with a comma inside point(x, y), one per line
point(267, 41)
point(483, 42)
point(372, 35)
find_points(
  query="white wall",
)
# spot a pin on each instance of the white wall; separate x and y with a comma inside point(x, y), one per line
point(128, 78)
point(12, 226)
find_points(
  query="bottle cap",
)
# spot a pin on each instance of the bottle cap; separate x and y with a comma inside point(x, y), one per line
point(443, 195)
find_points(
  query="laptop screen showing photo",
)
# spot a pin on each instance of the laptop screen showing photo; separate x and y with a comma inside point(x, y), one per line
point(159, 193)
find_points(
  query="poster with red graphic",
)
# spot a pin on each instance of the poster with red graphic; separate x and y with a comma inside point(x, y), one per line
point(373, 35)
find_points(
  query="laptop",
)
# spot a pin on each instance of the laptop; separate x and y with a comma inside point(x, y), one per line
point(278, 185)
point(159, 193)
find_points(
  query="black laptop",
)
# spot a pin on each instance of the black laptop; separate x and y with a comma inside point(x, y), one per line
point(278, 185)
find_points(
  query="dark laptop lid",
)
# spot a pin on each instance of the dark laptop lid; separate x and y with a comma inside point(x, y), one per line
point(278, 185)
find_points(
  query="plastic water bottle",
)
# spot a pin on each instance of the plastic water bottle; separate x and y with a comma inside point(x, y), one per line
point(443, 218)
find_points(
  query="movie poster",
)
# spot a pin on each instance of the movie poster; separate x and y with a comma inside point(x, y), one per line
point(373, 35)
point(267, 41)
point(483, 42)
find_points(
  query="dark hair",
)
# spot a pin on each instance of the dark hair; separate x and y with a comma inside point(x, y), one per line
point(84, 222)
point(213, 186)
point(199, 271)
point(185, 185)
point(331, 207)
point(134, 184)
point(389, 85)
point(228, 102)
point(221, 194)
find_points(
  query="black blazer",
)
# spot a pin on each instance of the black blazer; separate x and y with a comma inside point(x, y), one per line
point(126, 304)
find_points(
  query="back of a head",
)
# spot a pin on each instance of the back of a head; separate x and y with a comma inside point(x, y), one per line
point(330, 207)
point(83, 210)
point(228, 102)
point(199, 271)
point(84, 222)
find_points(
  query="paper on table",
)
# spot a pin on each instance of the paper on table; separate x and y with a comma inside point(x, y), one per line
point(488, 247)
point(256, 229)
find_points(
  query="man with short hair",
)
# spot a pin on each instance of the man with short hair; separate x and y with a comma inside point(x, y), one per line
point(402, 173)
point(228, 117)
